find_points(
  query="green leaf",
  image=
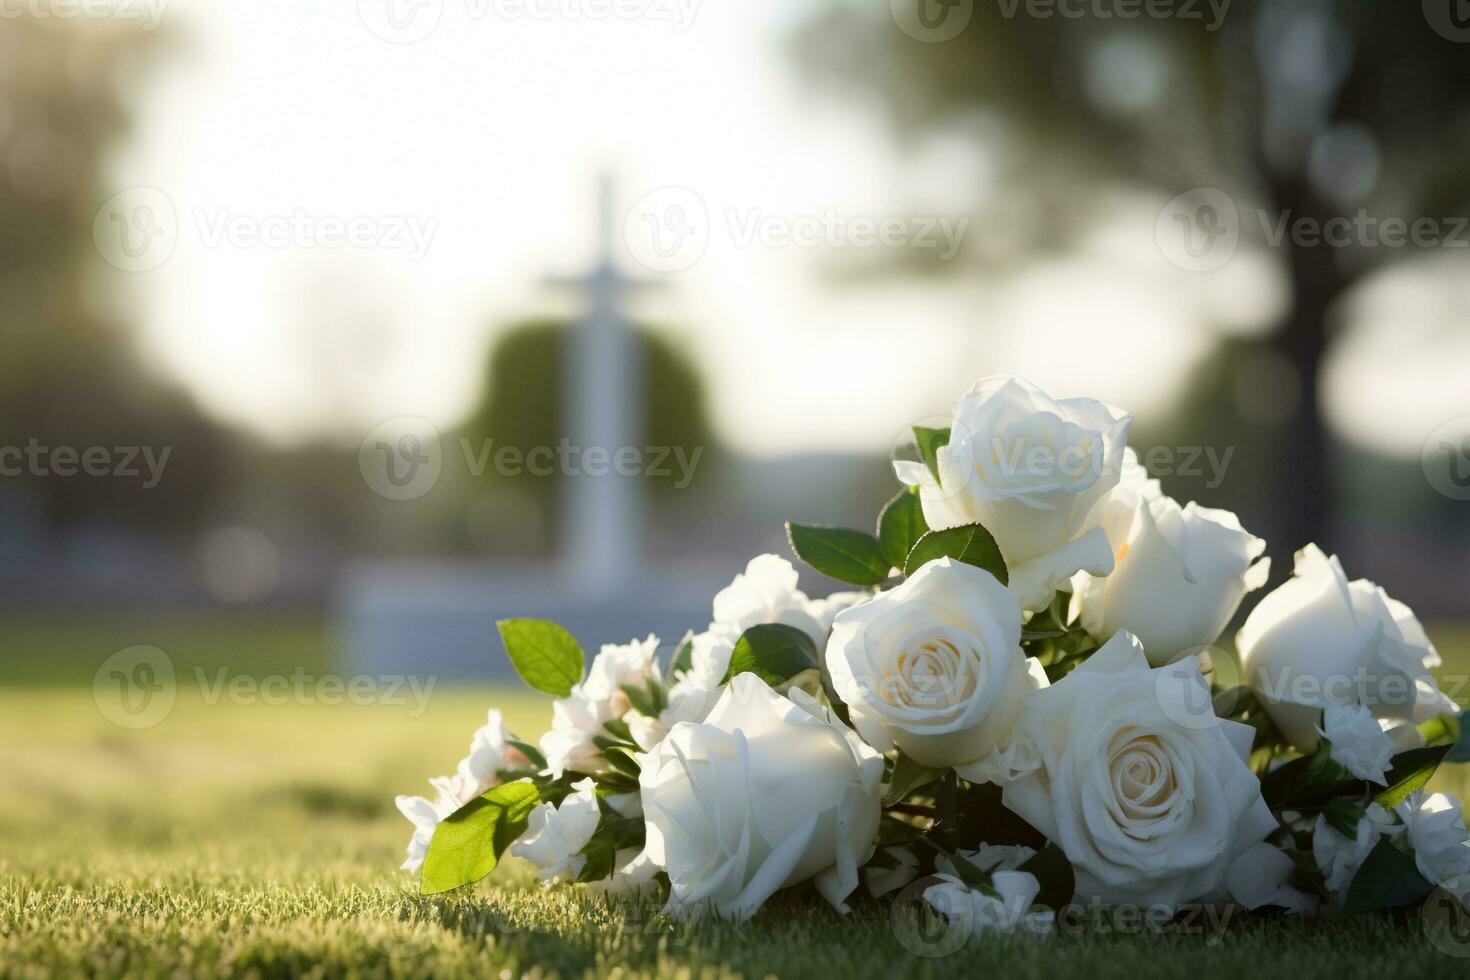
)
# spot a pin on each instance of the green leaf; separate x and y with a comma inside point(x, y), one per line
point(683, 657)
point(907, 776)
point(468, 843)
point(930, 441)
point(614, 833)
point(900, 527)
point(548, 658)
point(615, 782)
point(1343, 814)
point(841, 553)
point(971, 544)
point(773, 652)
point(987, 820)
point(1309, 781)
point(892, 831)
point(1388, 879)
point(972, 875)
point(1440, 730)
point(1055, 875)
point(530, 751)
point(618, 729)
point(1460, 751)
point(1411, 770)
point(835, 702)
point(622, 760)
point(641, 699)
point(601, 854)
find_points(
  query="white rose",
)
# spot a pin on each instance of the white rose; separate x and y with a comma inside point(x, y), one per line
point(555, 836)
point(1134, 487)
point(1358, 742)
point(935, 668)
point(1319, 639)
point(1436, 830)
point(577, 718)
point(1339, 857)
point(1149, 800)
point(1035, 472)
point(768, 792)
point(766, 592)
point(1179, 576)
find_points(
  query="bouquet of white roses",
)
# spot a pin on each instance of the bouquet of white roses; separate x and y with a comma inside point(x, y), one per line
point(1020, 705)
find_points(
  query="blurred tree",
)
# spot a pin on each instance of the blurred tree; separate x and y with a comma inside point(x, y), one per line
point(523, 403)
point(1312, 108)
point(68, 377)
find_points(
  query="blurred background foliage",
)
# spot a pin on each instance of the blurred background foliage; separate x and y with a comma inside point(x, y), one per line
point(1309, 108)
point(1319, 108)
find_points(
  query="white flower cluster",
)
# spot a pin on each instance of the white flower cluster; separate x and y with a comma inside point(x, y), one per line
point(1429, 825)
point(1057, 659)
point(477, 772)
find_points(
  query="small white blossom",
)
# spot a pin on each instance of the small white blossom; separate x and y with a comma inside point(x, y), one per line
point(1437, 833)
point(1359, 744)
point(425, 815)
point(633, 872)
point(1008, 911)
point(580, 716)
point(555, 836)
point(1339, 857)
point(766, 592)
point(895, 868)
point(476, 773)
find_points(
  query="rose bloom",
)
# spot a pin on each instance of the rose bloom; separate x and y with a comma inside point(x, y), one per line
point(935, 668)
point(1179, 575)
point(1147, 793)
point(766, 793)
point(1319, 640)
point(1035, 472)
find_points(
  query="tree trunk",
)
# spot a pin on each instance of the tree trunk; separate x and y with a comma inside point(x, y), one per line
point(1305, 460)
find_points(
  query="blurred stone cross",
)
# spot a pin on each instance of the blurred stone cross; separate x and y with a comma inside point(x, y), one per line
point(602, 405)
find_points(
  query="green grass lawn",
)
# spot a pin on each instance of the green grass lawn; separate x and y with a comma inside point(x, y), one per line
point(258, 839)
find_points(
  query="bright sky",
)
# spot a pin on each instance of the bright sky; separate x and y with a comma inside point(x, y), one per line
point(486, 135)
